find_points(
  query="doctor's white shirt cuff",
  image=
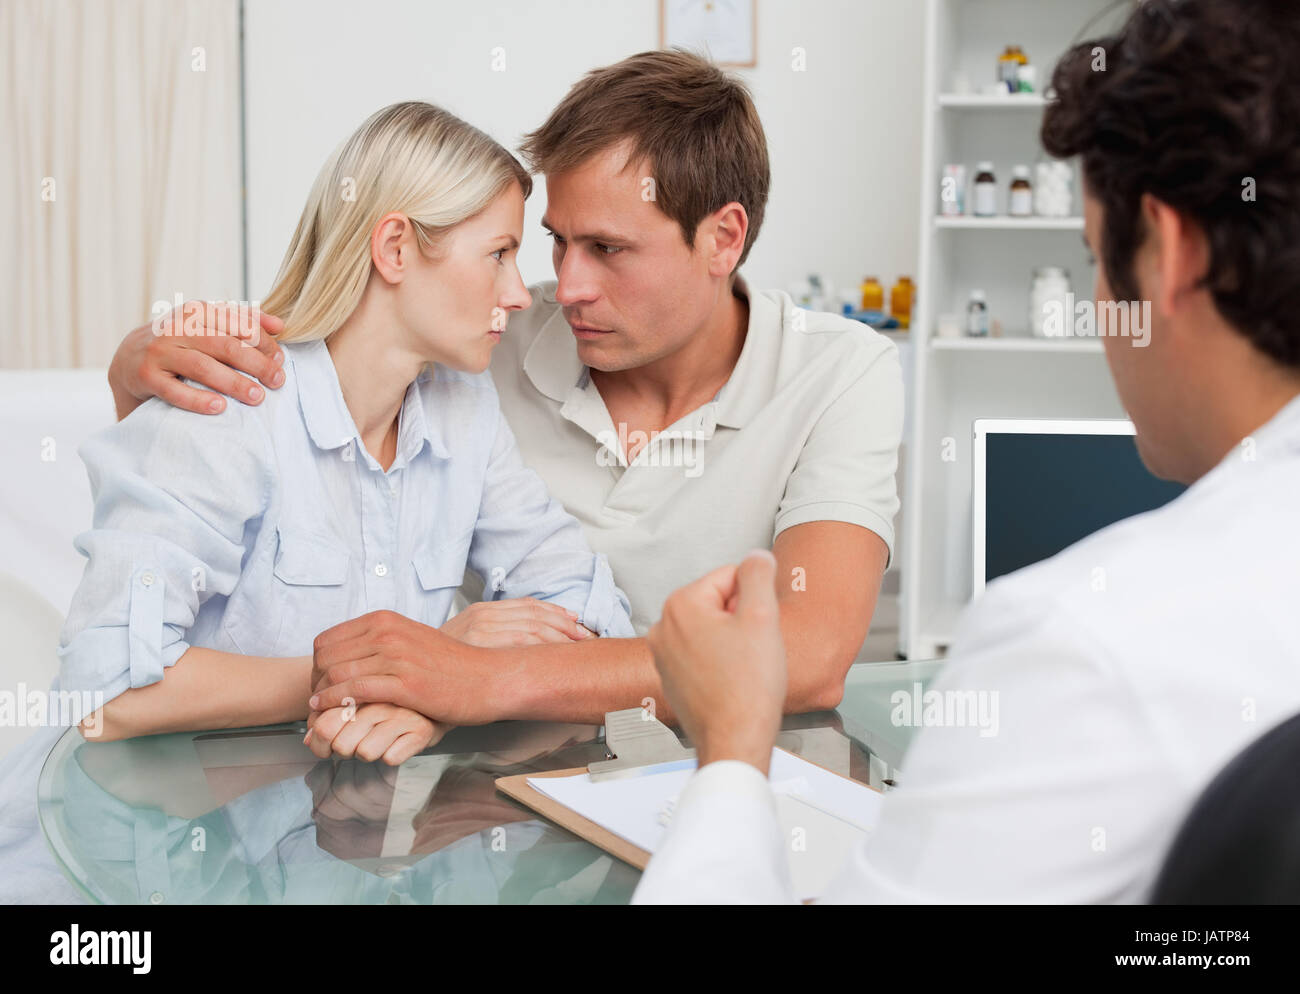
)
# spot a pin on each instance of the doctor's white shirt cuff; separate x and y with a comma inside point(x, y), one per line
point(724, 844)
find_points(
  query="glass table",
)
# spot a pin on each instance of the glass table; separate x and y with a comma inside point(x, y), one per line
point(250, 816)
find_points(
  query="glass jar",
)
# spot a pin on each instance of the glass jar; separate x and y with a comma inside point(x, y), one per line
point(1053, 189)
point(873, 294)
point(900, 301)
point(1050, 306)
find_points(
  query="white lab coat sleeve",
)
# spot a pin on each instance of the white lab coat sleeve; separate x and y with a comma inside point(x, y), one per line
point(1038, 776)
point(724, 844)
point(1053, 792)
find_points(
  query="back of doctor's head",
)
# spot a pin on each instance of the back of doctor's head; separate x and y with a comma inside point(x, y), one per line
point(1196, 102)
point(412, 158)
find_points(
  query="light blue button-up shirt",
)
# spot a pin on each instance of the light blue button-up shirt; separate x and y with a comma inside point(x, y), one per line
point(253, 530)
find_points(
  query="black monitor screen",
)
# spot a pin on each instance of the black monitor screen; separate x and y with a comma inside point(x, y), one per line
point(1044, 492)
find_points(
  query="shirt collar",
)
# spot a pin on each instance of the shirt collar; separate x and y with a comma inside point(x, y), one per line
point(750, 384)
point(552, 362)
point(553, 365)
point(328, 420)
point(1281, 433)
point(1277, 438)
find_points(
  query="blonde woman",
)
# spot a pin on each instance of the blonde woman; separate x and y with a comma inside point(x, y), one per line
point(223, 545)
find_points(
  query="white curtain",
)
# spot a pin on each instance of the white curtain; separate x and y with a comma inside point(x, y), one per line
point(119, 169)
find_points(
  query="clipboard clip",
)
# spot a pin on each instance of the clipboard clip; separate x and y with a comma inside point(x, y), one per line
point(635, 738)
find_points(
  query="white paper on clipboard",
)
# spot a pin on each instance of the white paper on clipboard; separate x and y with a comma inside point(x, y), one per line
point(822, 814)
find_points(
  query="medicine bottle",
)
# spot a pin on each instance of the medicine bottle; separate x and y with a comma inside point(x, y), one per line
point(986, 190)
point(1009, 69)
point(977, 315)
point(900, 301)
point(873, 294)
point(1021, 201)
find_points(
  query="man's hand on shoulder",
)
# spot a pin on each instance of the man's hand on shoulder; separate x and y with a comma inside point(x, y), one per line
point(204, 342)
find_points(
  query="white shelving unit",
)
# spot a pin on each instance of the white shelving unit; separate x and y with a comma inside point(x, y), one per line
point(956, 380)
point(969, 223)
point(1012, 101)
point(1017, 343)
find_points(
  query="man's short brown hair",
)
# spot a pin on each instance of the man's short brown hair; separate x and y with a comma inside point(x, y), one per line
point(694, 124)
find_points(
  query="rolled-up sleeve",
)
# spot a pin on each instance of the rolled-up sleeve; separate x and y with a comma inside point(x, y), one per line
point(173, 493)
point(527, 545)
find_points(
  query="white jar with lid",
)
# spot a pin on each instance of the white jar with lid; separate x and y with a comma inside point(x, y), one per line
point(1053, 189)
point(1049, 303)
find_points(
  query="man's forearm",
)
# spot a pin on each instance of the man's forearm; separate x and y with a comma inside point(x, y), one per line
point(582, 681)
point(578, 682)
point(209, 689)
point(818, 656)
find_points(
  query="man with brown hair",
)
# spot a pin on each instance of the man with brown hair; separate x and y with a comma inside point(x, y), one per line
point(682, 417)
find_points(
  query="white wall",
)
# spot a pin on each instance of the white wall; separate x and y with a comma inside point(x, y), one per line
point(844, 135)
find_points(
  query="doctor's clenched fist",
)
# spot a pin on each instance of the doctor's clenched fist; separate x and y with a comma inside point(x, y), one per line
point(720, 655)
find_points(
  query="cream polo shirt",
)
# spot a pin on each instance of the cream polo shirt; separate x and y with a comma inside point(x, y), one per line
point(807, 428)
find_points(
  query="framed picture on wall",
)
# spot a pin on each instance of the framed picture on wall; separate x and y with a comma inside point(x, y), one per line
point(726, 29)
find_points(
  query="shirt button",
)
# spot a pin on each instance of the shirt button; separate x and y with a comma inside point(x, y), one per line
point(146, 579)
point(381, 570)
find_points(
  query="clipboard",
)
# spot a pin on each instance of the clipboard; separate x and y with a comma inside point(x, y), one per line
point(636, 740)
point(522, 791)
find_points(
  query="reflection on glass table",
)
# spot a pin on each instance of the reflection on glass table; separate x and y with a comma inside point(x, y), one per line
point(250, 816)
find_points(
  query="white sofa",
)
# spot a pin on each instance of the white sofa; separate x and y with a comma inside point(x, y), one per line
point(44, 504)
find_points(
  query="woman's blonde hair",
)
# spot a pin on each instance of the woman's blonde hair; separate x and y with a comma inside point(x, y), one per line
point(413, 158)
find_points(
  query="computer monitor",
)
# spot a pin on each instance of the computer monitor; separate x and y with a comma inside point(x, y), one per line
point(1041, 486)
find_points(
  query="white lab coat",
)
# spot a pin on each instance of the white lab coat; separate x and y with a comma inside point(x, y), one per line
point(1128, 670)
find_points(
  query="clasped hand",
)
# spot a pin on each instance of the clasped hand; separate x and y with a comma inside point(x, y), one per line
point(387, 687)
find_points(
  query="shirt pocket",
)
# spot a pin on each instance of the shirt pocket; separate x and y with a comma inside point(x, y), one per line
point(313, 592)
point(303, 559)
point(440, 564)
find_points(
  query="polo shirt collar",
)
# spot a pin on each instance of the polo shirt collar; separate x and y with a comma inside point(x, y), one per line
point(553, 366)
point(329, 422)
point(751, 382)
point(552, 362)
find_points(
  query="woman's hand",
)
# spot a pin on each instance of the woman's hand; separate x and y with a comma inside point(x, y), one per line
point(372, 732)
point(511, 623)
